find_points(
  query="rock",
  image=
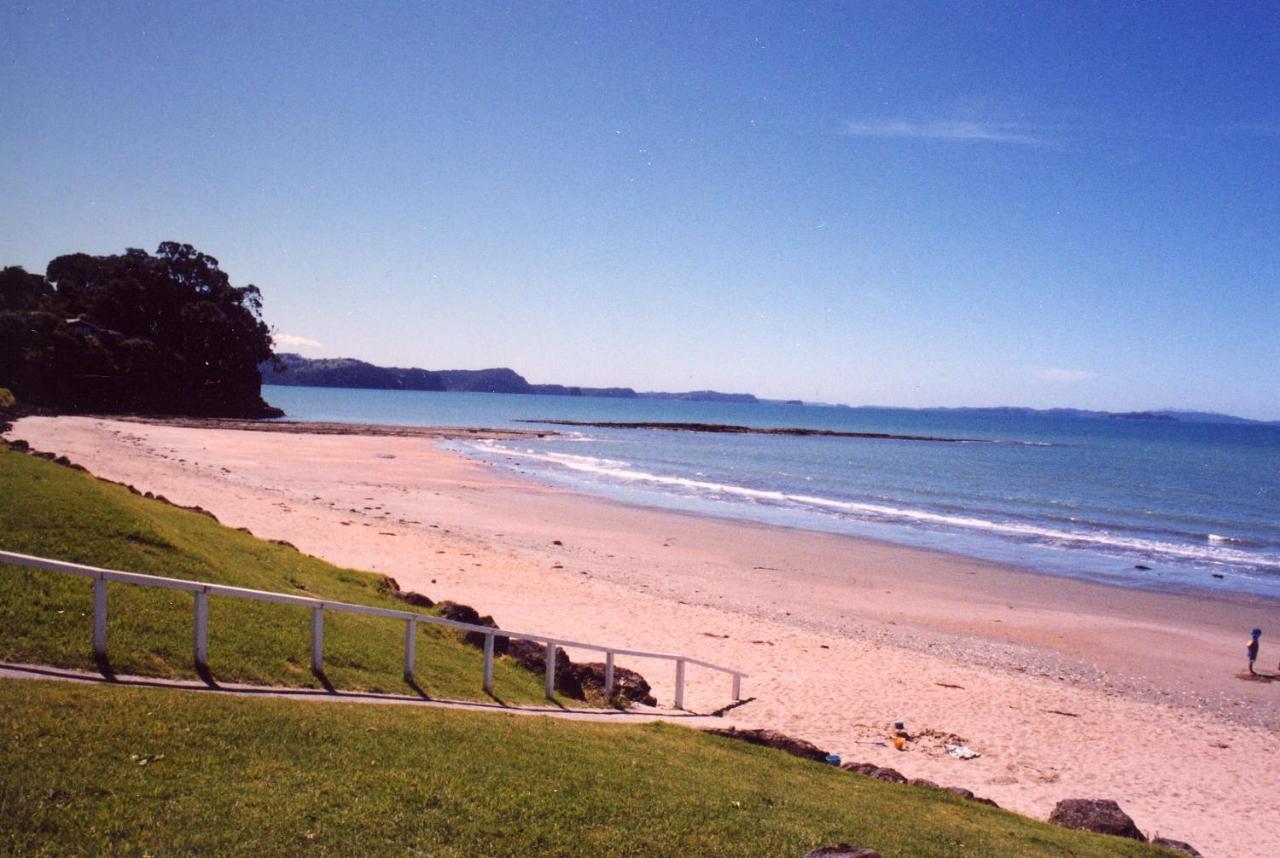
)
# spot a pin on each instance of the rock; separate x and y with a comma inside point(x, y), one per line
point(531, 655)
point(774, 739)
point(841, 850)
point(19, 445)
point(1176, 846)
point(469, 615)
point(627, 684)
point(62, 460)
point(284, 543)
point(921, 782)
point(389, 584)
point(199, 510)
point(871, 770)
point(416, 599)
point(49, 456)
point(1095, 814)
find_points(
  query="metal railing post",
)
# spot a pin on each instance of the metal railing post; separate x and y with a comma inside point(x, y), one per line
point(202, 630)
point(737, 687)
point(608, 674)
point(551, 670)
point(488, 664)
point(100, 618)
point(680, 683)
point(317, 639)
point(410, 648)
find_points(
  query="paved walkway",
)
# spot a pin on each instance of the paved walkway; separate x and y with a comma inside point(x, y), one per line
point(636, 715)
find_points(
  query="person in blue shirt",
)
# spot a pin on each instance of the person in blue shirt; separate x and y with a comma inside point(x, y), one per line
point(1253, 648)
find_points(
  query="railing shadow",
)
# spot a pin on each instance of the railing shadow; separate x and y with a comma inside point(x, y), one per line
point(103, 664)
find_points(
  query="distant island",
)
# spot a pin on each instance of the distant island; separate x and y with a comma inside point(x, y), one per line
point(295, 370)
point(1164, 415)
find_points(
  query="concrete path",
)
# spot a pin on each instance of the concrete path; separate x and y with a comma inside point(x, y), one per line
point(636, 715)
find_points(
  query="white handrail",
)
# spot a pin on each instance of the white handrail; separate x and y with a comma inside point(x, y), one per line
point(203, 590)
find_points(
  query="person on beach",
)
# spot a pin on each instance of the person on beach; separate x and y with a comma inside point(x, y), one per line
point(1253, 648)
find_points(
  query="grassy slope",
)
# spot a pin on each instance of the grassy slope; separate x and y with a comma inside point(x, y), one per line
point(267, 776)
point(46, 617)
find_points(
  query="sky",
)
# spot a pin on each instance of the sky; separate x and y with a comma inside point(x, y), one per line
point(871, 203)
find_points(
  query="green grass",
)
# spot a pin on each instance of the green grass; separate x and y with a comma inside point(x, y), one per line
point(266, 776)
point(46, 617)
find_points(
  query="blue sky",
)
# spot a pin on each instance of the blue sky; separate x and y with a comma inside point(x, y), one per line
point(894, 204)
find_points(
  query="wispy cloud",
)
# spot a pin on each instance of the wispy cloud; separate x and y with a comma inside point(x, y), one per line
point(295, 341)
point(1049, 373)
point(958, 130)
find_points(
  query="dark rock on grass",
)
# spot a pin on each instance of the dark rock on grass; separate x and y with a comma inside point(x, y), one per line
point(1176, 846)
point(19, 445)
point(627, 684)
point(416, 599)
point(882, 773)
point(1101, 815)
point(283, 543)
point(871, 770)
point(572, 680)
point(469, 615)
point(841, 850)
point(968, 795)
point(49, 456)
point(199, 510)
point(531, 655)
point(392, 586)
point(774, 739)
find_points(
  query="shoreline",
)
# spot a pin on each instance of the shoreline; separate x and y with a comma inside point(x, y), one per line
point(1067, 688)
point(1191, 591)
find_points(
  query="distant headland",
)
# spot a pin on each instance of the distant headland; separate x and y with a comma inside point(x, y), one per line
point(294, 370)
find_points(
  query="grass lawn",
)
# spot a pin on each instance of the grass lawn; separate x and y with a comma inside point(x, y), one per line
point(46, 617)
point(135, 771)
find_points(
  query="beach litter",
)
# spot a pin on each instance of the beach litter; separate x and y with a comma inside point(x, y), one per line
point(962, 752)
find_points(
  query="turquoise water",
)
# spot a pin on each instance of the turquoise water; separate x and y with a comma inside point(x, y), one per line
point(1198, 504)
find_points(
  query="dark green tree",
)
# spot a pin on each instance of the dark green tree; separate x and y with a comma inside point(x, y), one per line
point(134, 332)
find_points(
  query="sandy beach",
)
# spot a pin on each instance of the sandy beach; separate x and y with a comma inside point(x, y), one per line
point(1066, 689)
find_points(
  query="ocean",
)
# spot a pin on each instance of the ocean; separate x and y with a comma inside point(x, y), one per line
point(1143, 503)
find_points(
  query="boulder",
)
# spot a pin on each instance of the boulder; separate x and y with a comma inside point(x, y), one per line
point(1101, 815)
point(1176, 846)
point(531, 655)
point(871, 770)
point(841, 850)
point(416, 599)
point(627, 684)
point(19, 445)
point(774, 739)
point(469, 615)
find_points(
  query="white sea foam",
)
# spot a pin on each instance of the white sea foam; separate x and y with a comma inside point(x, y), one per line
point(1214, 552)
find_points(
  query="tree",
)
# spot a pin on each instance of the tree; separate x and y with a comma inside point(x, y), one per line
point(134, 332)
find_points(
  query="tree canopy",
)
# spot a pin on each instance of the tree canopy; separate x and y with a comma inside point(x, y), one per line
point(134, 332)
